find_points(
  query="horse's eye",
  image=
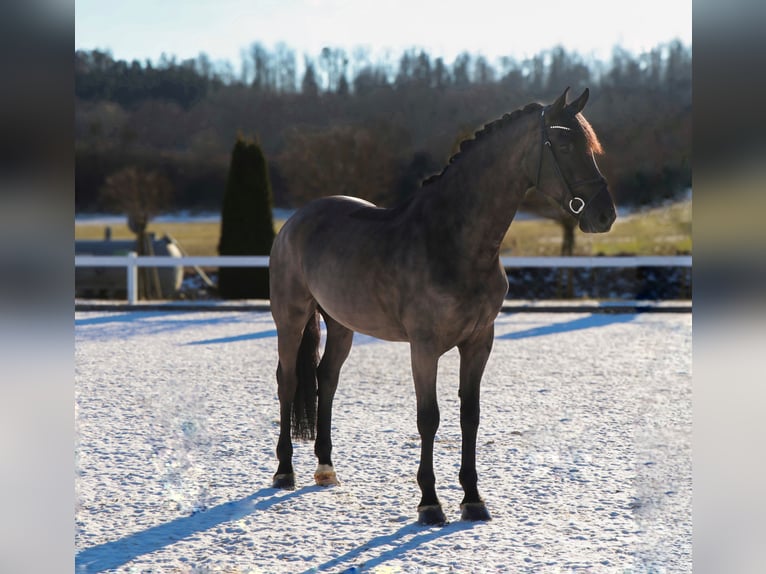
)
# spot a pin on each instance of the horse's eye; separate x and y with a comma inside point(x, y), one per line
point(565, 147)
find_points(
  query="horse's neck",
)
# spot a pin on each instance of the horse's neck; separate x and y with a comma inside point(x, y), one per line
point(478, 195)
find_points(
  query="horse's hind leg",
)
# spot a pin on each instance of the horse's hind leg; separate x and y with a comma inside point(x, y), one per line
point(337, 347)
point(291, 328)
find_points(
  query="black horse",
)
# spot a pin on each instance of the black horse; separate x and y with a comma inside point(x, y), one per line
point(428, 272)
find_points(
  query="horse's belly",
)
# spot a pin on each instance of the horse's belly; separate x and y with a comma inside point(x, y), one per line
point(361, 314)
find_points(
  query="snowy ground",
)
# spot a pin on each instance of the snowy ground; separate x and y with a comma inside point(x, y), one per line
point(584, 451)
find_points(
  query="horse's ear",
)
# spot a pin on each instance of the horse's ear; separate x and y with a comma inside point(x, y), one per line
point(577, 106)
point(559, 104)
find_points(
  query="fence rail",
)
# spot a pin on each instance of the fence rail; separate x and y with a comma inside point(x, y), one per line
point(132, 262)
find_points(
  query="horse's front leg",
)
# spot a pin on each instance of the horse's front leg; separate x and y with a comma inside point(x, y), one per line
point(424, 367)
point(473, 358)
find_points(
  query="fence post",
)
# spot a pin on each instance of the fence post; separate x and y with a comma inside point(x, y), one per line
point(132, 270)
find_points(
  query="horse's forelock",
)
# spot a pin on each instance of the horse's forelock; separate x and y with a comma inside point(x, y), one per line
point(590, 136)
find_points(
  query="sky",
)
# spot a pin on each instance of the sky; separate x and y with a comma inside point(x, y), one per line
point(145, 29)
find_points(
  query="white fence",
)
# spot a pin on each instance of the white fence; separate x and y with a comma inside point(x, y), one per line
point(132, 262)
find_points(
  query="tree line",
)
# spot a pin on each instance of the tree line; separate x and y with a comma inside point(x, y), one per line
point(368, 126)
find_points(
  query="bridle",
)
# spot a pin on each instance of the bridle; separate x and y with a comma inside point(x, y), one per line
point(576, 203)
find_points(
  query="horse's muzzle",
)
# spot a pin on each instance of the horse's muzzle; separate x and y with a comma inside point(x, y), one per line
point(599, 214)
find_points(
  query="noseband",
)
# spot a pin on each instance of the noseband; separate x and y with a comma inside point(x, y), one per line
point(576, 203)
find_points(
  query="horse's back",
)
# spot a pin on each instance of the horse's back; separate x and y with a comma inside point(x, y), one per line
point(317, 227)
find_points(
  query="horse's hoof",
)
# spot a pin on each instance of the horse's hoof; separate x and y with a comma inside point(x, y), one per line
point(325, 476)
point(474, 511)
point(431, 515)
point(285, 481)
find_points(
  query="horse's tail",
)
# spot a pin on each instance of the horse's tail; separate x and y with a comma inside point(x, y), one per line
point(305, 402)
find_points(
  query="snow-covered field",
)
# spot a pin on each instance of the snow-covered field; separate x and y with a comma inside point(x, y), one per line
point(584, 452)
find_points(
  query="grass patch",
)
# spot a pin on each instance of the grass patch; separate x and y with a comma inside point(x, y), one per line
point(658, 231)
point(195, 237)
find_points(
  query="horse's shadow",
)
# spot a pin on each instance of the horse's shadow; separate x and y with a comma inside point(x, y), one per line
point(587, 322)
point(114, 554)
point(237, 338)
point(398, 541)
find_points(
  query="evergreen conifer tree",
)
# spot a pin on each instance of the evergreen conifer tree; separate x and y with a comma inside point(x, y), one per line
point(247, 225)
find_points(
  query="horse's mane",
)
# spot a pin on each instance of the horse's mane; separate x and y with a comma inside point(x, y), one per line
point(388, 213)
point(591, 140)
point(483, 131)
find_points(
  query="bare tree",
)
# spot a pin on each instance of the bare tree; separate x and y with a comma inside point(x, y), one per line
point(346, 160)
point(263, 68)
point(285, 69)
point(141, 196)
point(333, 62)
point(309, 84)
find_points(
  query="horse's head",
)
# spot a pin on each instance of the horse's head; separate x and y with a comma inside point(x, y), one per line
point(567, 170)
